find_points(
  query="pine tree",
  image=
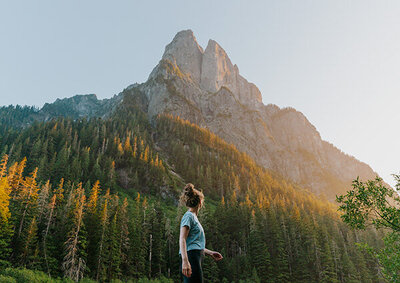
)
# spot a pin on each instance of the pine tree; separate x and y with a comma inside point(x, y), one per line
point(48, 219)
point(28, 196)
point(74, 262)
point(112, 259)
point(260, 257)
point(327, 273)
point(210, 269)
point(92, 221)
point(5, 225)
point(15, 180)
point(139, 238)
point(29, 256)
point(24, 210)
point(43, 200)
point(104, 214)
point(124, 236)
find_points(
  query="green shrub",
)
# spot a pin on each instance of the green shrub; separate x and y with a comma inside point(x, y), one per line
point(22, 275)
point(87, 280)
point(160, 280)
point(7, 279)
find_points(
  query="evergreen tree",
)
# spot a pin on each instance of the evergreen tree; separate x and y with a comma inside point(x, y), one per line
point(74, 260)
point(104, 222)
point(5, 225)
point(260, 257)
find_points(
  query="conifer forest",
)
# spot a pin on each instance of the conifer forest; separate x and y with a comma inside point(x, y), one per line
point(96, 199)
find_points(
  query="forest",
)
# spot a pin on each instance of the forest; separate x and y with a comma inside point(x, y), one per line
point(96, 199)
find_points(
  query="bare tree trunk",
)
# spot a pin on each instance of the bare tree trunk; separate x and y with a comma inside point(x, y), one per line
point(100, 251)
point(151, 243)
point(24, 213)
point(52, 205)
point(72, 265)
point(104, 221)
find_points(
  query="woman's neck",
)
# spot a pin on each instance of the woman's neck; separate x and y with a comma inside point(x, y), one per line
point(194, 210)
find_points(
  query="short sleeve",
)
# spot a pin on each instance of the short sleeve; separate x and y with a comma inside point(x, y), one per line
point(186, 220)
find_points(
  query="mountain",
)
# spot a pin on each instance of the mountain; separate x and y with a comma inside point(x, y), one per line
point(204, 87)
point(80, 106)
point(89, 188)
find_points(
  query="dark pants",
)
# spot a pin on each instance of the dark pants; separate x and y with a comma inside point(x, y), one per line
point(195, 259)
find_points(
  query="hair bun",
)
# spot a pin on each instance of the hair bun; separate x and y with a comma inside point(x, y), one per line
point(191, 197)
point(189, 190)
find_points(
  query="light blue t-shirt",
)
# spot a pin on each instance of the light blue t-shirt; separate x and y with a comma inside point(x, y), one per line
point(196, 239)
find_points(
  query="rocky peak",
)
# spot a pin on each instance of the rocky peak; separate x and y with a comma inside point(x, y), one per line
point(219, 98)
point(186, 53)
point(210, 69)
point(217, 69)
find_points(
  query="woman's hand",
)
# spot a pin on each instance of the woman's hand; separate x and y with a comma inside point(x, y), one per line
point(186, 268)
point(216, 256)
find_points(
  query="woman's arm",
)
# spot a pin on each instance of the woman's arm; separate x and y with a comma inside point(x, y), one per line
point(186, 268)
point(215, 255)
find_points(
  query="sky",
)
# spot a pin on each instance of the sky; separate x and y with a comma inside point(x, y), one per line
point(338, 62)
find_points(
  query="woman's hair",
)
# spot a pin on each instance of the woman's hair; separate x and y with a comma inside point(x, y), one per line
point(191, 197)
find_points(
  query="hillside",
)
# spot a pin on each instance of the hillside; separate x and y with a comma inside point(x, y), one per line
point(266, 227)
point(78, 106)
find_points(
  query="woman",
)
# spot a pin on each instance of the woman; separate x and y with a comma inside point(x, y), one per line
point(192, 241)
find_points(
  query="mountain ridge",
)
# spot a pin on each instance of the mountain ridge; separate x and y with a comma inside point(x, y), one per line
point(211, 93)
point(204, 87)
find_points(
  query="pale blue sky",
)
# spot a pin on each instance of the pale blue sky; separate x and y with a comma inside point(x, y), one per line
point(338, 62)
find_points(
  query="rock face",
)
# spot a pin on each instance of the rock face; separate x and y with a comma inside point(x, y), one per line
point(185, 52)
point(78, 106)
point(207, 89)
point(217, 71)
point(209, 70)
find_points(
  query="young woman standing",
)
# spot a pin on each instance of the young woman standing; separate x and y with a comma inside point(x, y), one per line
point(192, 241)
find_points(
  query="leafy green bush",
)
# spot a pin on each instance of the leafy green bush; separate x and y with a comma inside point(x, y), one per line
point(161, 280)
point(87, 280)
point(7, 279)
point(22, 275)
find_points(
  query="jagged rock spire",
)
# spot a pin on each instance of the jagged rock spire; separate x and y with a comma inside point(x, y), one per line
point(210, 69)
point(186, 53)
